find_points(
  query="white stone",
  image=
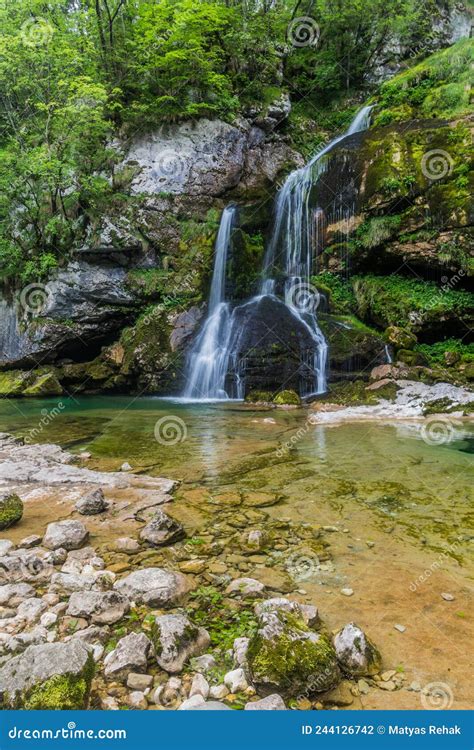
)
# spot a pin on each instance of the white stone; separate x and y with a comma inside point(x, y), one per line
point(239, 653)
point(236, 681)
point(246, 587)
point(195, 700)
point(66, 534)
point(199, 686)
point(218, 692)
point(48, 619)
point(272, 702)
point(347, 592)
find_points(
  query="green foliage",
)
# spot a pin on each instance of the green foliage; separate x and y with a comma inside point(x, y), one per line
point(437, 87)
point(434, 353)
point(338, 290)
point(389, 300)
point(223, 623)
point(375, 231)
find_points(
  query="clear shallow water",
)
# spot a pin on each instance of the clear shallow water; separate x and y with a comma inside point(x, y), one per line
point(418, 491)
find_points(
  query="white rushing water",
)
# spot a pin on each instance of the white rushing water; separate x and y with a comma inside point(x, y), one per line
point(290, 250)
point(209, 359)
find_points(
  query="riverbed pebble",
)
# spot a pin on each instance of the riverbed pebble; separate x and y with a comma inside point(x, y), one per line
point(347, 592)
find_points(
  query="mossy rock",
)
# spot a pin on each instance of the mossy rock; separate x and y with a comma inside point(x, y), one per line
point(46, 384)
point(287, 398)
point(411, 358)
point(14, 382)
point(49, 676)
point(259, 397)
point(401, 338)
point(60, 693)
point(11, 509)
point(286, 656)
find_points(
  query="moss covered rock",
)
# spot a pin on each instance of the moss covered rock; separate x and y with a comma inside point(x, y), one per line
point(51, 676)
point(401, 338)
point(355, 652)
point(287, 398)
point(45, 384)
point(11, 509)
point(286, 656)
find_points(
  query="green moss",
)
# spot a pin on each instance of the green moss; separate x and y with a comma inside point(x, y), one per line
point(375, 231)
point(45, 385)
point(11, 510)
point(337, 290)
point(13, 382)
point(355, 393)
point(292, 661)
point(392, 300)
point(61, 692)
point(287, 397)
point(434, 353)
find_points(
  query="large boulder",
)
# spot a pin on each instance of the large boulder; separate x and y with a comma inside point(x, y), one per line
point(286, 656)
point(11, 509)
point(153, 586)
point(162, 530)
point(355, 652)
point(66, 534)
point(176, 639)
point(48, 676)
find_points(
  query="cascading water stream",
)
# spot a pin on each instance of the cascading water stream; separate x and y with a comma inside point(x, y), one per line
point(209, 358)
point(295, 236)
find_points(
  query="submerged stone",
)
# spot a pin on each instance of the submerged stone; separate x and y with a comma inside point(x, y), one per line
point(162, 530)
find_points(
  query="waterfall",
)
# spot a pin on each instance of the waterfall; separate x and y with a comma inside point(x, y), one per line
point(209, 358)
point(298, 229)
point(296, 234)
